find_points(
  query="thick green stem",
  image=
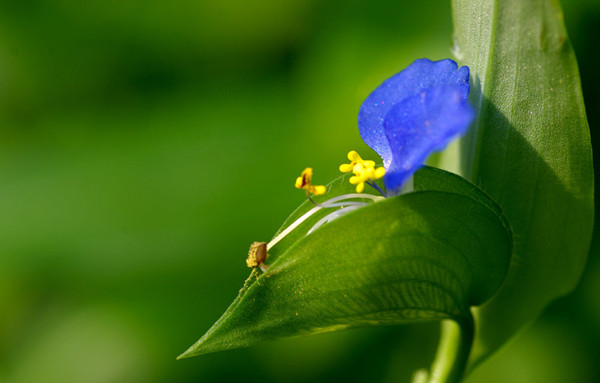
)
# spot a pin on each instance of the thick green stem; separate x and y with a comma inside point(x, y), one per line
point(453, 350)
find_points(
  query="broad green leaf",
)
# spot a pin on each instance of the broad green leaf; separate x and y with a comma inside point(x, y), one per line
point(421, 256)
point(529, 150)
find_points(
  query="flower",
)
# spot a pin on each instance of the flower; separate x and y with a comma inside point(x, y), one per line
point(414, 113)
point(409, 116)
point(304, 182)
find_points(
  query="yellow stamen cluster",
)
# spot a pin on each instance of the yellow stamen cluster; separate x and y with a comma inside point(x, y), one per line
point(364, 171)
point(304, 182)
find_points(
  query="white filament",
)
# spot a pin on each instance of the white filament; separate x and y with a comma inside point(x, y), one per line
point(336, 214)
point(333, 202)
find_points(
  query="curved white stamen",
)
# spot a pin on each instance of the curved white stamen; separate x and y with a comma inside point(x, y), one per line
point(335, 215)
point(330, 203)
point(353, 195)
point(348, 203)
point(294, 225)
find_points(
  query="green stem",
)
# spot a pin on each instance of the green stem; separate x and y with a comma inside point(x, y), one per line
point(453, 350)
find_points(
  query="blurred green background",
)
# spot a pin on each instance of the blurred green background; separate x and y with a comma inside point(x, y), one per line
point(144, 145)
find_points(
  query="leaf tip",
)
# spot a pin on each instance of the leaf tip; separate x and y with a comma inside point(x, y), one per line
point(188, 353)
point(199, 348)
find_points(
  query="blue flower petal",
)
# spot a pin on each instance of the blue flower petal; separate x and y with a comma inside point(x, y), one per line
point(420, 125)
point(392, 120)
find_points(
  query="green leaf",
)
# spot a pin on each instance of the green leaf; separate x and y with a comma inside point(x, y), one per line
point(421, 256)
point(529, 150)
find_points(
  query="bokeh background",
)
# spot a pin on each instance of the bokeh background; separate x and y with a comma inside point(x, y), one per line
point(145, 144)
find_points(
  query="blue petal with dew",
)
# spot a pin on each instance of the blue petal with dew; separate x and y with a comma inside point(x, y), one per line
point(414, 113)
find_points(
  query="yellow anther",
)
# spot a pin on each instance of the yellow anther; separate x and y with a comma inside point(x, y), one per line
point(364, 171)
point(355, 159)
point(304, 182)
